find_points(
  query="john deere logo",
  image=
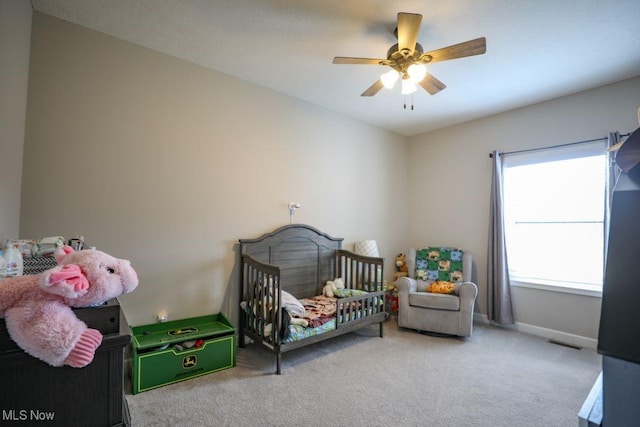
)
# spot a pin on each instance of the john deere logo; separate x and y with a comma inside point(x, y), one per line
point(189, 362)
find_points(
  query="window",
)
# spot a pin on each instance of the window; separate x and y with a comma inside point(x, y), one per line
point(554, 207)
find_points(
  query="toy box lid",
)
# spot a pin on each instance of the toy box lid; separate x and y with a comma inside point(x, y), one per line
point(177, 331)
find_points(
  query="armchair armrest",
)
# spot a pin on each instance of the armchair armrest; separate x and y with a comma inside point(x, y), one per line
point(468, 291)
point(406, 285)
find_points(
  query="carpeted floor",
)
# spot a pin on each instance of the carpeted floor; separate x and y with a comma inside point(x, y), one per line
point(497, 377)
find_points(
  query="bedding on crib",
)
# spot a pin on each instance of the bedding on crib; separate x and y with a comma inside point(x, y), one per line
point(320, 313)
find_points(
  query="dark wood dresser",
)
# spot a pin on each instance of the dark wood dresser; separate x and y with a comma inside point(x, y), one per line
point(34, 393)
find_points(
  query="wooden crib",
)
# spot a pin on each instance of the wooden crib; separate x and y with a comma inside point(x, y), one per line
point(299, 260)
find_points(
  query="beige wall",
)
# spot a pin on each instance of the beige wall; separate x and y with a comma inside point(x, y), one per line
point(457, 213)
point(15, 38)
point(168, 164)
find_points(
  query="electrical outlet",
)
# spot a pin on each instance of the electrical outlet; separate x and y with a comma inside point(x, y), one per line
point(162, 316)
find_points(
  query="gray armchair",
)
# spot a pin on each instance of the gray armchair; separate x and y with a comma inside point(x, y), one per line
point(450, 314)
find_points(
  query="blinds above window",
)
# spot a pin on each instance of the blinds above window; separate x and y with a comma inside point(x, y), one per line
point(563, 152)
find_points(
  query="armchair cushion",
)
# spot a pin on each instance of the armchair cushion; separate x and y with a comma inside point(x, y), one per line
point(434, 301)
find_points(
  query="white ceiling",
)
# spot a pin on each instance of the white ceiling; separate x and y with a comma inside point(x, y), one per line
point(536, 49)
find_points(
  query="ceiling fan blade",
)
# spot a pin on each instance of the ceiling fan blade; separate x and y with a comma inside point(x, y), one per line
point(350, 60)
point(373, 89)
point(408, 29)
point(472, 47)
point(431, 84)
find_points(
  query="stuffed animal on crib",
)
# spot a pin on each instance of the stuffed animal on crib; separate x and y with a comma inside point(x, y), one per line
point(332, 286)
point(37, 308)
point(401, 267)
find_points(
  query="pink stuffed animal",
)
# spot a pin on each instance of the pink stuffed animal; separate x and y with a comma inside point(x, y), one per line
point(37, 308)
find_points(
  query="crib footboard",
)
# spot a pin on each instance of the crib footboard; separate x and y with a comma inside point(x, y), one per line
point(368, 308)
point(260, 316)
point(360, 273)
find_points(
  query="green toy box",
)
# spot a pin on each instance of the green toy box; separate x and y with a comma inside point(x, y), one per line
point(164, 353)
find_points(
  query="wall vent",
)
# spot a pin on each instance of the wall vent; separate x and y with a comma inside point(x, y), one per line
point(564, 344)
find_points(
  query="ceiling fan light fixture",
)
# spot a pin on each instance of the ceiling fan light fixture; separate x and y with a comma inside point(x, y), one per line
point(408, 86)
point(407, 59)
point(389, 78)
point(417, 72)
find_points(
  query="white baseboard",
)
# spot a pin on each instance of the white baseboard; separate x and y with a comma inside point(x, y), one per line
point(552, 334)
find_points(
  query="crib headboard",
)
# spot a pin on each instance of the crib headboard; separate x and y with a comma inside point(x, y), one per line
point(305, 256)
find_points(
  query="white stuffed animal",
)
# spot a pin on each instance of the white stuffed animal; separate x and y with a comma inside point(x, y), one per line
point(332, 286)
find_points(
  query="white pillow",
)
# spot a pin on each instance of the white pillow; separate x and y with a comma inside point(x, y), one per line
point(291, 304)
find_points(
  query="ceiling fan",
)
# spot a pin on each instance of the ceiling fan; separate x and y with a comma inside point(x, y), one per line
point(407, 59)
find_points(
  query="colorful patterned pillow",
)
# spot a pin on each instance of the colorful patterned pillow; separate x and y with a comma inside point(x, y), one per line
point(443, 264)
point(441, 287)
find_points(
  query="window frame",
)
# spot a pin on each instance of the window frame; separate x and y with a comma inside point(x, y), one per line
point(564, 152)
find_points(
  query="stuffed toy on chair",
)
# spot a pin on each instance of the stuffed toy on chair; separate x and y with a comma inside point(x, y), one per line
point(402, 269)
point(37, 308)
